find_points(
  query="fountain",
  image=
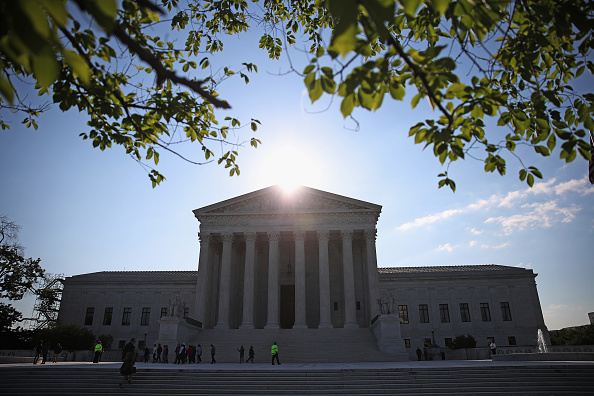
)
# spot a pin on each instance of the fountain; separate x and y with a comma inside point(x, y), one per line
point(542, 345)
point(544, 354)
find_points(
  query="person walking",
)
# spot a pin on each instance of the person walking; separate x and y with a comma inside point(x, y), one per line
point(241, 353)
point(250, 355)
point(38, 350)
point(159, 352)
point(419, 354)
point(199, 353)
point(44, 352)
point(166, 354)
point(274, 353)
point(154, 353)
point(493, 347)
point(57, 351)
point(98, 350)
point(129, 357)
point(213, 352)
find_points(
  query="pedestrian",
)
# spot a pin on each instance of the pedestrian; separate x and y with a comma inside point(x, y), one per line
point(419, 353)
point(493, 348)
point(241, 353)
point(129, 358)
point(182, 354)
point(250, 355)
point(57, 351)
point(199, 353)
point(154, 353)
point(166, 354)
point(38, 350)
point(159, 352)
point(191, 354)
point(213, 352)
point(98, 350)
point(147, 353)
point(274, 353)
point(44, 352)
point(177, 354)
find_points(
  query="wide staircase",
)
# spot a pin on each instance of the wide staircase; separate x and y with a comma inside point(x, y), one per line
point(295, 345)
point(549, 379)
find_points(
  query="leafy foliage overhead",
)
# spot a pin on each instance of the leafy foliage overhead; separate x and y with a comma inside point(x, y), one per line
point(522, 88)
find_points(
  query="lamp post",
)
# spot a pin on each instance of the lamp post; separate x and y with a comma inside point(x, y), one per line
point(145, 340)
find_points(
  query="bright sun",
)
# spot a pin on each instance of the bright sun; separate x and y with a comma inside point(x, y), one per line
point(290, 168)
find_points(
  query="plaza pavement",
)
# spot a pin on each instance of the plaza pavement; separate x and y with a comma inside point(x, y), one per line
point(206, 366)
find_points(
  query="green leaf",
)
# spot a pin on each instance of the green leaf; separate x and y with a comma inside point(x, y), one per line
point(79, 66)
point(411, 6)
point(45, 67)
point(397, 91)
point(347, 105)
point(440, 5)
point(315, 91)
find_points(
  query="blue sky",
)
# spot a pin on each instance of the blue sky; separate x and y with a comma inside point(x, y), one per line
point(82, 210)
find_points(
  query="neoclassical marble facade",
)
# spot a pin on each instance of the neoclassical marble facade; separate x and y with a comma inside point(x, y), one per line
point(267, 260)
point(300, 264)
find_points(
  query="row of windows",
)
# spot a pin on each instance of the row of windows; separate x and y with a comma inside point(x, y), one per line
point(444, 312)
point(126, 315)
point(511, 340)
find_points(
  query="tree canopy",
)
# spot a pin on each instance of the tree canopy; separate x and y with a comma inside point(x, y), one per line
point(499, 74)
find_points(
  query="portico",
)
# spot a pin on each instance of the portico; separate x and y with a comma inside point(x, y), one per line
point(271, 259)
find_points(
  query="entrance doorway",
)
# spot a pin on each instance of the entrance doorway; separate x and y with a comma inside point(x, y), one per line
point(287, 306)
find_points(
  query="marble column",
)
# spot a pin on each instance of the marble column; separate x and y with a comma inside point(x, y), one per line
point(350, 314)
point(272, 321)
point(201, 302)
point(372, 277)
point(248, 281)
point(324, 270)
point(225, 282)
point(300, 316)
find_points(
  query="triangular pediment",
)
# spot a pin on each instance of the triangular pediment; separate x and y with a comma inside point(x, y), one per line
point(276, 200)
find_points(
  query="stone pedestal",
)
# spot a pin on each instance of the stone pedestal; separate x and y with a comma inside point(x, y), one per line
point(175, 329)
point(386, 329)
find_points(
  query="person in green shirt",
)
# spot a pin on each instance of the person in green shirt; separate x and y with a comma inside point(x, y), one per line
point(98, 351)
point(274, 353)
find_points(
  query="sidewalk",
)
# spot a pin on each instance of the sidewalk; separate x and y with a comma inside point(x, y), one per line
point(304, 366)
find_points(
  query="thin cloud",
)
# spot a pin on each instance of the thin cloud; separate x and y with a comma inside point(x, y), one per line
point(533, 215)
point(445, 248)
point(422, 221)
point(500, 246)
point(536, 215)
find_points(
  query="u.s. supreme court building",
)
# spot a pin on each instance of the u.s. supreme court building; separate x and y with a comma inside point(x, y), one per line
point(300, 269)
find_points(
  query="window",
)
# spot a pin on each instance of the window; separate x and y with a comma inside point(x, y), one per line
point(126, 316)
point(186, 312)
point(448, 342)
point(407, 342)
point(121, 344)
point(485, 312)
point(163, 312)
point(426, 342)
point(403, 312)
point(358, 305)
point(511, 340)
point(144, 318)
point(464, 312)
point(424, 313)
point(89, 316)
point(444, 313)
point(107, 316)
point(505, 312)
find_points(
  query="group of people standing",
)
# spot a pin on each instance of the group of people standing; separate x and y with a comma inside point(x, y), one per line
point(42, 350)
point(190, 354)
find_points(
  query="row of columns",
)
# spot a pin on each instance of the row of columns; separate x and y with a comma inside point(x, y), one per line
point(273, 279)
